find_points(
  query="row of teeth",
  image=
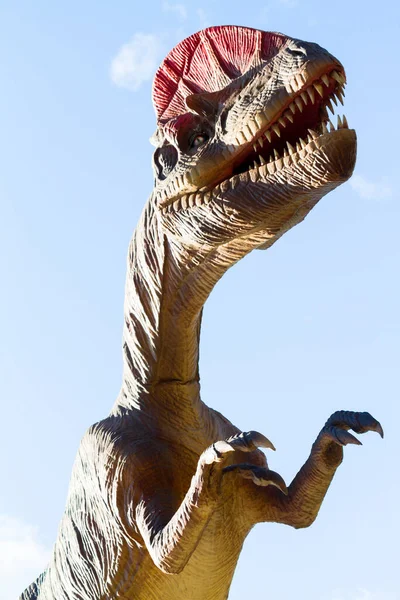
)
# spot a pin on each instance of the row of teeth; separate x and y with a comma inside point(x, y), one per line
point(261, 119)
point(312, 135)
point(306, 96)
point(276, 163)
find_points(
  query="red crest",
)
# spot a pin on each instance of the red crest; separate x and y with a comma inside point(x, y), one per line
point(207, 61)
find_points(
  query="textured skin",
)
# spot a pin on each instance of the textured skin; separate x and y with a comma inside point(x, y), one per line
point(164, 490)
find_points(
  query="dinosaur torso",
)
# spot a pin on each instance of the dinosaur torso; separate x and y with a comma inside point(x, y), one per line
point(208, 573)
point(164, 490)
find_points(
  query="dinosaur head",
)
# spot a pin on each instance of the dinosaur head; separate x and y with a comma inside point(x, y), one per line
point(244, 144)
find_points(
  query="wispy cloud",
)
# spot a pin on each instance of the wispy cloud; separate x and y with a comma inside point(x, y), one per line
point(370, 190)
point(179, 9)
point(22, 556)
point(136, 61)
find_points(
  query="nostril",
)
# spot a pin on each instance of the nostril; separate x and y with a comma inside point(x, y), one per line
point(297, 51)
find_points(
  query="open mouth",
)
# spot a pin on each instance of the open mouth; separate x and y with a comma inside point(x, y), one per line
point(297, 129)
point(305, 119)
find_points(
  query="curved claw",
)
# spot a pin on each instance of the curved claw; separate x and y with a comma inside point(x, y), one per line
point(342, 437)
point(259, 440)
point(337, 426)
point(366, 422)
point(259, 475)
point(249, 441)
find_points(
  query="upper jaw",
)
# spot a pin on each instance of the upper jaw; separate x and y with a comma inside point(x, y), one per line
point(294, 114)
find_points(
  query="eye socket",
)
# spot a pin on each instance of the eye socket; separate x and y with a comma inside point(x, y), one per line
point(199, 140)
point(164, 160)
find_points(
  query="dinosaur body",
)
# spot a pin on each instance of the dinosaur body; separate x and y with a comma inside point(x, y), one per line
point(164, 490)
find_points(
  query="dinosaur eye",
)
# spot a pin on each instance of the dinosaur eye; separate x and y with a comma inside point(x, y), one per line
point(199, 140)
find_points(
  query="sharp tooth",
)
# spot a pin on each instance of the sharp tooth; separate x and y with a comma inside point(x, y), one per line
point(331, 126)
point(288, 116)
point(261, 120)
point(285, 153)
point(255, 147)
point(324, 128)
point(247, 132)
point(241, 138)
point(299, 79)
point(329, 105)
point(290, 147)
point(299, 103)
point(268, 136)
point(260, 141)
point(319, 89)
point(313, 133)
point(311, 93)
point(282, 122)
point(339, 95)
point(304, 97)
point(325, 80)
point(309, 139)
point(303, 143)
point(261, 159)
point(333, 98)
point(339, 122)
point(275, 128)
point(292, 107)
point(338, 77)
point(276, 155)
point(290, 86)
point(345, 123)
point(253, 127)
point(298, 146)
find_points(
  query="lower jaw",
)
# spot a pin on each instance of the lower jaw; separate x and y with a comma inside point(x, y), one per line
point(329, 158)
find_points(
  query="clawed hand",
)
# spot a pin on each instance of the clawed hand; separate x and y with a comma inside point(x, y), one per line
point(334, 431)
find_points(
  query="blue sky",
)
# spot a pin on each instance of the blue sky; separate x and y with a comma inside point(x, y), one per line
point(289, 335)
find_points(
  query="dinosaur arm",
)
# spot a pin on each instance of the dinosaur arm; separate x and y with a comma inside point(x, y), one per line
point(300, 506)
point(305, 495)
point(172, 539)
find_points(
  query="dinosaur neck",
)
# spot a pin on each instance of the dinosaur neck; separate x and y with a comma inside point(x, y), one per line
point(168, 282)
point(166, 287)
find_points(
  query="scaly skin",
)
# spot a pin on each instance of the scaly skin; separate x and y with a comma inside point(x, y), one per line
point(164, 490)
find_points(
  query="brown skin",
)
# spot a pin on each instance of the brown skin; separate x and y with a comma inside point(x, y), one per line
point(165, 489)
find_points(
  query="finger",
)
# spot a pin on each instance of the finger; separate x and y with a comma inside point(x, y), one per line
point(259, 475)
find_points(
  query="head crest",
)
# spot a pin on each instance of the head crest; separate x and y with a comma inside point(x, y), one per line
point(207, 61)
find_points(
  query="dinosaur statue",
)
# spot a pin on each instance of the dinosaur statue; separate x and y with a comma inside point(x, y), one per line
point(165, 489)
